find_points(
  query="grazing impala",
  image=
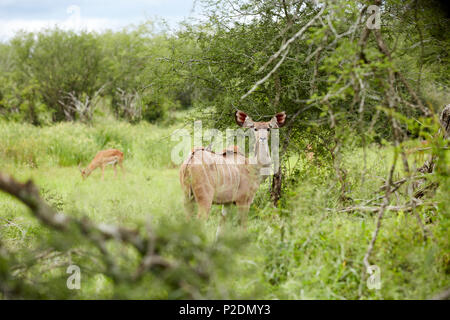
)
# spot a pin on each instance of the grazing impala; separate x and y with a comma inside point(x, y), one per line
point(102, 159)
point(229, 177)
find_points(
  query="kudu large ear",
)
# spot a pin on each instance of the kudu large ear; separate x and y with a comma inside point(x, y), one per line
point(278, 120)
point(243, 120)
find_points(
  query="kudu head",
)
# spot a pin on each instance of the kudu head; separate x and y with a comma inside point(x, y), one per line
point(262, 134)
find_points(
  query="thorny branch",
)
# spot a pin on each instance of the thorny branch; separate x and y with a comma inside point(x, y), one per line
point(28, 194)
point(284, 50)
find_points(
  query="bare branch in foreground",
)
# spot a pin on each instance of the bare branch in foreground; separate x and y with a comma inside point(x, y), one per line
point(29, 195)
point(148, 245)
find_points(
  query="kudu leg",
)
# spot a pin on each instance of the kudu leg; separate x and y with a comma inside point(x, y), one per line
point(189, 206)
point(222, 220)
point(204, 207)
point(243, 213)
point(204, 198)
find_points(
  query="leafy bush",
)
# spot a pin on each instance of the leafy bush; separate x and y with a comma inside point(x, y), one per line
point(61, 63)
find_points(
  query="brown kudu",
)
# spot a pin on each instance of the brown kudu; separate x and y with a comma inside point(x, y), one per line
point(229, 177)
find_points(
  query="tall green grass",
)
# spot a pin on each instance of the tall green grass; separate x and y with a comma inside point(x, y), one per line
point(69, 144)
point(305, 250)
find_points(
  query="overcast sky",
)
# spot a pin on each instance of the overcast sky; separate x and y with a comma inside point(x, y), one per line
point(98, 15)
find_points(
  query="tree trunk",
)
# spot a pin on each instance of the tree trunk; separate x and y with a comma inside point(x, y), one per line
point(276, 187)
point(445, 121)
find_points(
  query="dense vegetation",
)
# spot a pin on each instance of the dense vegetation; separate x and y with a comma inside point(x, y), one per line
point(362, 99)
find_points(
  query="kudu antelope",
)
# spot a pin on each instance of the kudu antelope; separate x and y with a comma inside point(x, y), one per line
point(229, 177)
point(102, 159)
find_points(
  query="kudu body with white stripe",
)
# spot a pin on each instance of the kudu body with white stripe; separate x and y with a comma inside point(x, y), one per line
point(229, 177)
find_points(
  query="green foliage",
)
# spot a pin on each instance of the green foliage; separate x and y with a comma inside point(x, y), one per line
point(342, 93)
point(44, 75)
point(138, 70)
point(305, 250)
point(69, 145)
point(60, 62)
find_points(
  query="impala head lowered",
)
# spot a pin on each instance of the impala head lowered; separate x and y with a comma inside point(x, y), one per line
point(84, 172)
point(262, 134)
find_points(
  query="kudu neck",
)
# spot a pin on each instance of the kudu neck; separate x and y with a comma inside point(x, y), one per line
point(261, 160)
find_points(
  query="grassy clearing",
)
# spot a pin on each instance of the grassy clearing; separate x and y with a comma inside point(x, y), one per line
point(304, 251)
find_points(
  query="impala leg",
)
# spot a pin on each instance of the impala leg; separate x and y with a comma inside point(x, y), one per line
point(103, 172)
point(115, 170)
point(122, 168)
